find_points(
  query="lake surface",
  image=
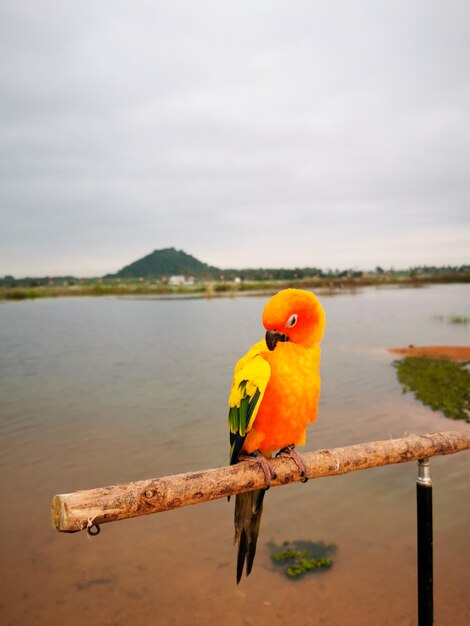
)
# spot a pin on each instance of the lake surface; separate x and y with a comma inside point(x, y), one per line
point(105, 390)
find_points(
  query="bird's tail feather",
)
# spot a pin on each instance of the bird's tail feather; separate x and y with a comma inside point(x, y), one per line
point(248, 509)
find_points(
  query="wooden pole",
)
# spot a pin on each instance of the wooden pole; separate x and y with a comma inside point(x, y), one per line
point(79, 510)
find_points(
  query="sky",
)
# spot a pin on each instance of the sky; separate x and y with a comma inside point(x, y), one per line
point(258, 133)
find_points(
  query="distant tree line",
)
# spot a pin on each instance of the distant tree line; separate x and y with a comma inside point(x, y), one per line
point(254, 274)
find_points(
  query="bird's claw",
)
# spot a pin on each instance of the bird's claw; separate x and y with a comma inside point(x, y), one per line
point(291, 452)
point(257, 457)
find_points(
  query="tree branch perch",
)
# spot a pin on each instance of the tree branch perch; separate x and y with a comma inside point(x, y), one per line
point(72, 512)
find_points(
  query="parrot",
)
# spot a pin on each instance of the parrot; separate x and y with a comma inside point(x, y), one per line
point(274, 395)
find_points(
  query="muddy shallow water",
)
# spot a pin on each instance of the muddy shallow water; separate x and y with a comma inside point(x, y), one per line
point(101, 391)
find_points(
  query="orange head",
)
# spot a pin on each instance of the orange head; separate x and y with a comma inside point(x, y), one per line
point(294, 315)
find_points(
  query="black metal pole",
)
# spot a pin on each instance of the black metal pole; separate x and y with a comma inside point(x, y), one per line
point(425, 566)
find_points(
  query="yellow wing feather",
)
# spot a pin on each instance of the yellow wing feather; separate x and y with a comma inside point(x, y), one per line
point(250, 379)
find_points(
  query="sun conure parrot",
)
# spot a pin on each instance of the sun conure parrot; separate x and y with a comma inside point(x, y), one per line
point(274, 396)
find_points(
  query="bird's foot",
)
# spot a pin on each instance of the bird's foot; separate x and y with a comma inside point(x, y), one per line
point(291, 452)
point(257, 457)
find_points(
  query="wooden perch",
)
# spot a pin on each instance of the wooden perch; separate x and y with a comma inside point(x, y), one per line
point(76, 511)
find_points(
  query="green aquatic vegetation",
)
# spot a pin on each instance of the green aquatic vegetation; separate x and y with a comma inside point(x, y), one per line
point(307, 565)
point(459, 319)
point(301, 557)
point(286, 554)
point(453, 319)
point(441, 385)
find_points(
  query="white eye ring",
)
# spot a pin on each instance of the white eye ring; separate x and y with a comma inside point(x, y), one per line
point(292, 321)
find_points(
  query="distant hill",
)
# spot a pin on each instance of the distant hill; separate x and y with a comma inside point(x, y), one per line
point(171, 262)
point(168, 262)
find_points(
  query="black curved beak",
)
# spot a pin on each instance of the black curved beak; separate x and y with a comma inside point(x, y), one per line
point(273, 337)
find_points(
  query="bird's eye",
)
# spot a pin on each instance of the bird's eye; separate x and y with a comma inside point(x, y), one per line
point(292, 321)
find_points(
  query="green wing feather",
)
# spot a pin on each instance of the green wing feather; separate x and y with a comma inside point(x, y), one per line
point(250, 379)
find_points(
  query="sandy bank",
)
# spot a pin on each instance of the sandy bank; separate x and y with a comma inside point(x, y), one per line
point(451, 353)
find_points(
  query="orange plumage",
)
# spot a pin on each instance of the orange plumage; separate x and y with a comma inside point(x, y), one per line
point(287, 407)
point(274, 396)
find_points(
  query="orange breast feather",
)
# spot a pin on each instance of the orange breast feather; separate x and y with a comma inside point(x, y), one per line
point(290, 400)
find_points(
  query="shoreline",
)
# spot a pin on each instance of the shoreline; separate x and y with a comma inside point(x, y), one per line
point(327, 286)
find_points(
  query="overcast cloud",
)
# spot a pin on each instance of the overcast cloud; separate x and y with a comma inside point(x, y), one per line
point(248, 133)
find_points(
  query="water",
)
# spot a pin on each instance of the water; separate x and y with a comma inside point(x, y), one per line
point(100, 391)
